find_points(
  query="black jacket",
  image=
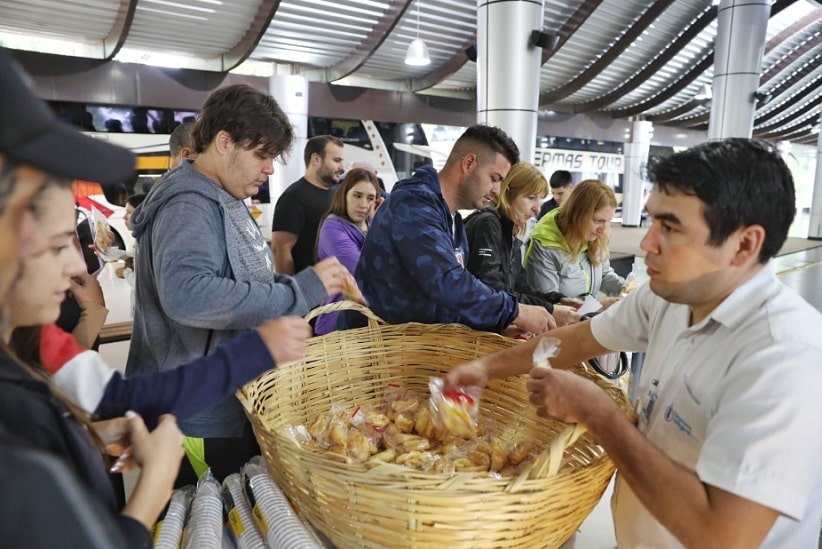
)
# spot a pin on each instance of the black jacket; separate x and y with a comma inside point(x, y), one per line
point(496, 258)
point(547, 207)
point(32, 417)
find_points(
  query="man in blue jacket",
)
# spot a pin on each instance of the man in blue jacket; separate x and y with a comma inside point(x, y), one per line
point(412, 267)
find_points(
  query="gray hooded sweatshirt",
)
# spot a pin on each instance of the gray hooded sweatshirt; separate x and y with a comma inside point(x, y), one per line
point(204, 273)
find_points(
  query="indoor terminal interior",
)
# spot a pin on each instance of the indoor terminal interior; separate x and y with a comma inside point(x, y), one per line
point(596, 88)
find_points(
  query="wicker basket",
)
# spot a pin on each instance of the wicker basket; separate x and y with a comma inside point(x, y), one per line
point(394, 506)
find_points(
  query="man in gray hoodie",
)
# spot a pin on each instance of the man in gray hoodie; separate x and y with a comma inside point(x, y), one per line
point(205, 273)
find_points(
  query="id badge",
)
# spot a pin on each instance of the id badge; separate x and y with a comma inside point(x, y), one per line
point(458, 255)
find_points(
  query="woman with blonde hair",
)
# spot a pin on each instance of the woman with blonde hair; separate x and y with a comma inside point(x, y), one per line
point(568, 252)
point(494, 237)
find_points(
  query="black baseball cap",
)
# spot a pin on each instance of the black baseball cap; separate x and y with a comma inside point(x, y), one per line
point(30, 134)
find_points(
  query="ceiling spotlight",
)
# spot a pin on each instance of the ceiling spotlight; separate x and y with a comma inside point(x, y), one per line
point(762, 98)
point(543, 39)
point(417, 54)
point(471, 53)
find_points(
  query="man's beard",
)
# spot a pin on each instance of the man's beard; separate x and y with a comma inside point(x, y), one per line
point(328, 179)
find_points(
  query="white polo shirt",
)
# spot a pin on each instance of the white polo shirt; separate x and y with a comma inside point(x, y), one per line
point(736, 398)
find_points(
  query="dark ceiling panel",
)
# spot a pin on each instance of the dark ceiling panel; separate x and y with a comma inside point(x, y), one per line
point(591, 72)
point(661, 60)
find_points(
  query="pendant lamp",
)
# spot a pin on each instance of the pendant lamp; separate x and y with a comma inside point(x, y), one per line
point(417, 54)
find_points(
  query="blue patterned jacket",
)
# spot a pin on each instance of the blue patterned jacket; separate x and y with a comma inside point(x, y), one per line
point(410, 269)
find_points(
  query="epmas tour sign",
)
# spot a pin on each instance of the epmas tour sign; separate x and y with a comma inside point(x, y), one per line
point(549, 160)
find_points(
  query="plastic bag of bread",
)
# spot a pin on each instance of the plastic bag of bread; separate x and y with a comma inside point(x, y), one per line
point(454, 409)
point(104, 239)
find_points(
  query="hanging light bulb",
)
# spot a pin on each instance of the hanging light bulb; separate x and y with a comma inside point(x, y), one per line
point(417, 54)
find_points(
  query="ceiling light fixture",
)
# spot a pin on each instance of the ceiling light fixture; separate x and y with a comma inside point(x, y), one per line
point(704, 96)
point(543, 39)
point(417, 54)
point(762, 98)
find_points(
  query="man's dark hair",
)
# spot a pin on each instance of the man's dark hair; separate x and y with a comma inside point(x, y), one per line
point(489, 138)
point(136, 199)
point(560, 178)
point(181, 137)
point(8, 182)
point(251, 117)
point(741, 182)
point(317, 145)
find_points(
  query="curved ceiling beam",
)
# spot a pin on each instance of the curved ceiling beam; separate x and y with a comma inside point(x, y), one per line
point(446, 69)
point(686, 79)
point(796, 126)
point(701, 122)
point(784, 63)
point(668, 92)
point(389, 19)
point(697, 26)
point(677, 112)
point(120, 29)
point(623, 43)
point(803, 110)
point(252, 37)
point(809, 139)
point(697, 122)
point(798, 75)
point(580, 15)
point(809, 44)
point(792, 136)
point(791, 30)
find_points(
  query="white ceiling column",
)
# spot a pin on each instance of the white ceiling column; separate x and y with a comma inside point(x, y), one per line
point(508, 69)
point(740, 43)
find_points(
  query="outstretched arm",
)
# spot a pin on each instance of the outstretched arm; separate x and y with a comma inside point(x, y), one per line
point(698, 514)
point(577, 343)
point(200, 384)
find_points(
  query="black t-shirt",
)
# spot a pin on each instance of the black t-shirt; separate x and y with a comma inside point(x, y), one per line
point(547, 207)
point(298, 211)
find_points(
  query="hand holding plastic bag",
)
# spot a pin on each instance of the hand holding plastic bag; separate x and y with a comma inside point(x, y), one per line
point(454, 409)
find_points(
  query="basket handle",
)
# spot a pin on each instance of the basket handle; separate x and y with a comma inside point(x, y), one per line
point(373, 320)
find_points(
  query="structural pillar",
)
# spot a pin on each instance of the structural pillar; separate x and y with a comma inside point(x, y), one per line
point(508, 69)
point(633, 180)
point(815, 222)
point(740, 43)
point(291, 93)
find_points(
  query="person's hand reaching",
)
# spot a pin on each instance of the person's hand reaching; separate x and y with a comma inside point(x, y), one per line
point(534, 318)
point(285, 338)
point(129, 439)
point(467, 374)
point(333, 274)
point(565, 315)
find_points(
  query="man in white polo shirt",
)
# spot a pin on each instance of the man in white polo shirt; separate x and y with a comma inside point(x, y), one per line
point(728, 434)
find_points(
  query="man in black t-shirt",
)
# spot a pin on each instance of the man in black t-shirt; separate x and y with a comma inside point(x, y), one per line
point(301, 206)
